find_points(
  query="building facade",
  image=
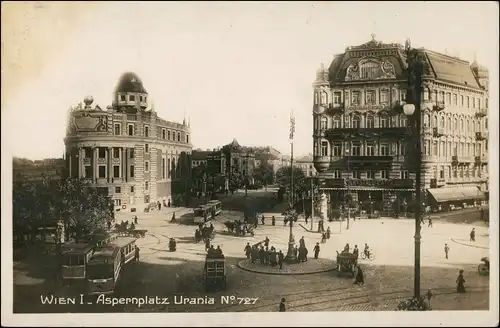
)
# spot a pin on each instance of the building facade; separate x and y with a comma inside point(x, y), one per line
point(306, 164)
point(127, 149)
point(361, 134)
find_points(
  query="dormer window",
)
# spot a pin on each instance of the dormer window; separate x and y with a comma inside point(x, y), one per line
point(146, 131)
point(131, 98)
point(122, 98)
point(140, 98)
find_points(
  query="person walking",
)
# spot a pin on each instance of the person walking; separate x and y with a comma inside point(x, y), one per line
point(355, 251)
point(430, 222)
point(473, 234)
point(262, 220)
point(446, 250)
point(273, 221)
point(282, 305)
point(360, 278)
point(248, 250)
point(280, 259)
point(137, 253)
point(460, 282)
point(316, 251)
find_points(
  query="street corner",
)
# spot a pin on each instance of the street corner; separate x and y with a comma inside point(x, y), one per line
point(483, 243)
point(311, 266)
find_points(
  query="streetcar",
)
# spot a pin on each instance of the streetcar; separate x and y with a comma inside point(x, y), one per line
point(202, 214)
point(74, 258)
point(216, 207)
point(105, 266)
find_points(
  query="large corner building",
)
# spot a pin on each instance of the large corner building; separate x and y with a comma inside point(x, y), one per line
point(126, 150)
point(360, 133)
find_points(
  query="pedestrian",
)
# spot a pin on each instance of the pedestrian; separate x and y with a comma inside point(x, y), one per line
point(135, 219)
point(266, 242)
point(305, 253)
point(460, 282)
point(262, 255)
point(159, 205)
point(323, 238)
point(282, 305)
point(266, 256)
point(248, 250)
point(273, 257)
point(446, 250)
point(273, 221)
point(328, 233)
point(355, 251)
point(473, 234)
point(207, 243)
point(173, 217)
point(280, 259)
point(316, 251)
point(430, 223)
point(360, 279)
point(302, 242)
point(169, 203)
point(262, 220)
point(137, 253)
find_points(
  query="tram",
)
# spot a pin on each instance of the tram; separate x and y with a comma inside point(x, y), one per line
point(75, 256)
point(202, 214)
point(105, 266)
point(216, 206)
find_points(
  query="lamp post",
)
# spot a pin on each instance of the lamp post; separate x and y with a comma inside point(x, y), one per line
point(290, 257)
point(312, 196)
point(412, 109)
point(348, 190)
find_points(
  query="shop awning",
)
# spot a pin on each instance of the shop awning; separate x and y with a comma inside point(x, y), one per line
point(442, 195)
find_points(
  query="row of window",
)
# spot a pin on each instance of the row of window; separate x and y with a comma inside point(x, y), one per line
point(385, 95)
point(455, 148)
point(438, 149)
point(458, 172)
point(468, 126)
point(167, 170)
point(101, 152)
point(141, 98)
point(356, 174)
point(165, 134)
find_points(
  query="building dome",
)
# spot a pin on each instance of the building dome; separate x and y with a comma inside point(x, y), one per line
point(130, 82)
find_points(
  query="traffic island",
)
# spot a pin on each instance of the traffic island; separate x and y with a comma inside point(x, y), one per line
point(466, 242)
point(311, 266)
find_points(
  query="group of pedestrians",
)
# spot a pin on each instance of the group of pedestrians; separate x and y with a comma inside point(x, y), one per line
point(265, 254)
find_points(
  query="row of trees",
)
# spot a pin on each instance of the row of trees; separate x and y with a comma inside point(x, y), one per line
point(83, 210)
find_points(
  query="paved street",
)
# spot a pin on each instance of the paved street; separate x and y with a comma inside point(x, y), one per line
point(389, 277)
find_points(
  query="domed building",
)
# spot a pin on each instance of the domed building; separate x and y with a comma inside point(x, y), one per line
point(360, 139)
point(127, 150)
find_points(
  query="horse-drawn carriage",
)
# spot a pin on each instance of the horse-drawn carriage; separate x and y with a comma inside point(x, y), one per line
point(204, 232)
point(124, 229)
point(137, 233)
point(240, 228)
point(214, 273)
point(346, 263)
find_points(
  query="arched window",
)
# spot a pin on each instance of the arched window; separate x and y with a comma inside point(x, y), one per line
point(449, 124)
point(337, 122)
point(324, 123)
point(316, 98)
point(478, 126)
point(442, 122)
point(462, 128)
point(403, 120)
point(455, 124)
point(426, 119)
point(323, 98)
point(467, 127)
point(384, 121)
point(435, 121)
point(370, 70)
point(356, 122)
point(369, 121)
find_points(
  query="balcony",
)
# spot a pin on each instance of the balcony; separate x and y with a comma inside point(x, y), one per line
point(366, 107)
point(478, 160)
point(436, 183)
point(481, 112)
point(335, 109)
point(369, 162)
point(321, 163)
point(347, 133)
point(437, 132)
point(439, 106)
point(430, 158)
point(481, 136)
point(319, 133)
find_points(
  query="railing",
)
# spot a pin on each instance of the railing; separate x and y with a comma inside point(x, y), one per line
point(438, 132)
point(481, 112)
point(335, 109)
point(439, 105)
point(368, 132)
point(397, 183)
point(465, 159)
point(481, 135)
point(333, 183)
point(386, 106)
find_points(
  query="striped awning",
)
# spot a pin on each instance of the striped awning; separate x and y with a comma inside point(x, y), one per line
point(442, 195)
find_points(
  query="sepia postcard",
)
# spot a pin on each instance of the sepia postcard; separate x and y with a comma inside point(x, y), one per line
point(217, 163)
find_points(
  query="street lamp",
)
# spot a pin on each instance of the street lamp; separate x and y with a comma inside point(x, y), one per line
point(290, 257)
point(348, 190)
point(412, 109)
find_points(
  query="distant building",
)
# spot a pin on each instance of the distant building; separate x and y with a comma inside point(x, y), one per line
point(26, 170)
point(127, 150)
point(306, 164)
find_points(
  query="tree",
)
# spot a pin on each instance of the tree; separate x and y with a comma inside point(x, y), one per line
point(283, 177)
point(264, 173)
point(83, 209)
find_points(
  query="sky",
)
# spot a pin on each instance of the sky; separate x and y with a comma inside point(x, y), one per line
point(235, 69)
